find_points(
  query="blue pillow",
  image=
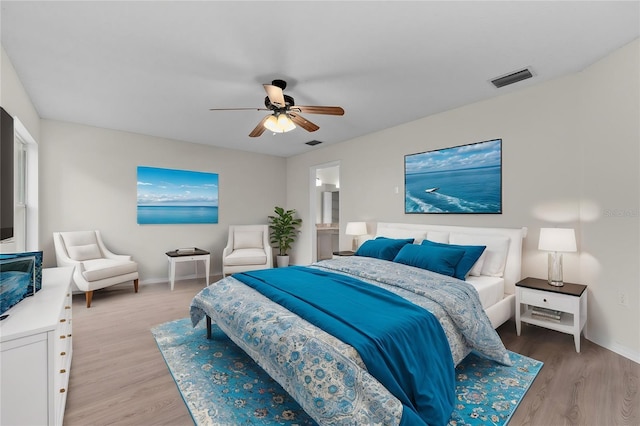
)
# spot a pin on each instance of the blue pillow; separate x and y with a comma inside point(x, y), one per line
point(442, 260)
point(382, 248)
point(470, 257)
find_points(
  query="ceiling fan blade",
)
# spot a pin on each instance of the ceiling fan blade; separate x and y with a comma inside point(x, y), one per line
point(238, 109)
point(259, 130)
point(327, 110)
point(275, 95)
point(303, 122)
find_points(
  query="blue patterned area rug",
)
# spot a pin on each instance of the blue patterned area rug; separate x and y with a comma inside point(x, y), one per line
point(221, 385)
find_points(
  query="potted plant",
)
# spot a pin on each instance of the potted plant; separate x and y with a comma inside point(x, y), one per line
point(283, 233)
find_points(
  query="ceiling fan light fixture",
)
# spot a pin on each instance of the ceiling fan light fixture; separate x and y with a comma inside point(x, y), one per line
point(285, 123)
point(279, 124)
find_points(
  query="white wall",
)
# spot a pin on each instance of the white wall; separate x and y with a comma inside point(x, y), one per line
point(88, 180)
point(609, 144)
point(14, 98)
point(15, 101)
point(570, 147)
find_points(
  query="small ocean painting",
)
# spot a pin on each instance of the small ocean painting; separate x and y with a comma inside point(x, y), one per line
point(168, 196)
point(462, 179)
point(16, 281)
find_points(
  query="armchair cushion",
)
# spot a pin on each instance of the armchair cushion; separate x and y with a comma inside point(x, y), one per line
point(100, 269)
point(246, 256)
point(247, 239)
point(78, 238)
point(84, 252)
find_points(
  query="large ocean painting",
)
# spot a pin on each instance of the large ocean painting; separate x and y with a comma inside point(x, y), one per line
point(176, 196)
point(461, 179)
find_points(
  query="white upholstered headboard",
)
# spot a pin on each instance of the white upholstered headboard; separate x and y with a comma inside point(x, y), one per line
point(513, 267)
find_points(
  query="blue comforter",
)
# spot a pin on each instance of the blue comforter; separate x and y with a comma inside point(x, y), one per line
point(402, 344)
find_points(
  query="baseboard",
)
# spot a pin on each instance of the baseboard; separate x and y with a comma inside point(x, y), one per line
point(215, 276)
point(619, 349)
point(155, 281)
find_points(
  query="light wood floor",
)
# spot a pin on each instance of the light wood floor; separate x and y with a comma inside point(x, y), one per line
point(118, 376)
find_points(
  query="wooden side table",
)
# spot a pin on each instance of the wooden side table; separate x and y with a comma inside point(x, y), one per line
point(570, 301)
point(194, 255)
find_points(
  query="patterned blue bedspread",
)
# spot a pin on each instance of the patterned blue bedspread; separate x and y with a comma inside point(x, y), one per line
point(326, 376)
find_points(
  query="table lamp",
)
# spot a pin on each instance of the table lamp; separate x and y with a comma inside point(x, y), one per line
point(556, 241)
point(356, 229)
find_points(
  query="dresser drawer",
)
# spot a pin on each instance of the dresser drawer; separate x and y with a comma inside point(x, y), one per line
point(560, 302)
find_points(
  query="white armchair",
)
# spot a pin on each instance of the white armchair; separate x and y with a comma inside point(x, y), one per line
point(247, 249)
point(95, 266)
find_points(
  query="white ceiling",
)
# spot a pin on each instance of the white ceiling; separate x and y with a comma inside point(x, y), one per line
point(156, 67)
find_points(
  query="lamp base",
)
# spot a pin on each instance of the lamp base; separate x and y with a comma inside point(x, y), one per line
point(555, 270)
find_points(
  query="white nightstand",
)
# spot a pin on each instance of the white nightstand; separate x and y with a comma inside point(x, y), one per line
point(194, 255)
point(570, 300)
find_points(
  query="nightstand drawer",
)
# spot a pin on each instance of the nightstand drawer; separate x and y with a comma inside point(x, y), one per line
point(548, 300)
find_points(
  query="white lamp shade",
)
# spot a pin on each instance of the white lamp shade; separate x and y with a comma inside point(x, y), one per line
point(356, 228)
point(557, 239)
point(279, 124)
point(272, 124)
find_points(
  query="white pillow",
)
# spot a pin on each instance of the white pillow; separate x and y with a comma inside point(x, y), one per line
point(247, 239)
point(476, 269)
point(438, 237)
point(495, 255)
point(85, 252)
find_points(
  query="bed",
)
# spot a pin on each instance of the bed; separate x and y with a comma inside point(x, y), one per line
point(501, 307)
point(334, 382)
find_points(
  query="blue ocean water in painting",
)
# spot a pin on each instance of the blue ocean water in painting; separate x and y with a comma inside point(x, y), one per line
point(14, 287)
point(177, 214)
point(474, 190)
point(16, 280)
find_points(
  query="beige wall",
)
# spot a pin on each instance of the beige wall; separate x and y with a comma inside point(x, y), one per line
point(570, 154)
point(89, 182)
point(609, 147)
point(14, 98)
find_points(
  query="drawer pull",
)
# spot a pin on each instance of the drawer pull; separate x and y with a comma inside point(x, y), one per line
point(544, 300)
point(67, 307)
point(63, 371)
point(68, 335)
point(63, 320)
point(63, 337)
point(63, 353)
point(63, 390)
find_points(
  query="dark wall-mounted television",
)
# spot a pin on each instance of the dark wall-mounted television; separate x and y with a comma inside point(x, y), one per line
point(6, 175)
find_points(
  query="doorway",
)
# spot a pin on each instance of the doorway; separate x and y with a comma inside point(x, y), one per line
point(325, 210)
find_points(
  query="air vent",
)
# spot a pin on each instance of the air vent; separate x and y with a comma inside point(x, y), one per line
point(313, 143)
point(512, 78)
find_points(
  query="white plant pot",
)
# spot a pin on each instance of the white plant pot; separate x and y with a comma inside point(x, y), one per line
point(282, 261)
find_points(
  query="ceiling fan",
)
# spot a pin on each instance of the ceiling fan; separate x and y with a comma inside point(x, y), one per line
point(285, 114)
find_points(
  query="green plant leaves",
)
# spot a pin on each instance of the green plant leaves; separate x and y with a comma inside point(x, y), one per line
point(283, 229)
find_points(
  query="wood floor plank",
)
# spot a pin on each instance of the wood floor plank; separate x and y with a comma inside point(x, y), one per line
point(119, 377)
point(594, 387)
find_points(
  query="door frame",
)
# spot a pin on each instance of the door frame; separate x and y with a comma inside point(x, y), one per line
point(313, 203)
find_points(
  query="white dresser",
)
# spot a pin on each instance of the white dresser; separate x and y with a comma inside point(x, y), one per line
point(35, 354)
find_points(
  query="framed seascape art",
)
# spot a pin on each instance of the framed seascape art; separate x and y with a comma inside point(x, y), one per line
point(460, 179)
point(20, 277)
point(168, 196)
